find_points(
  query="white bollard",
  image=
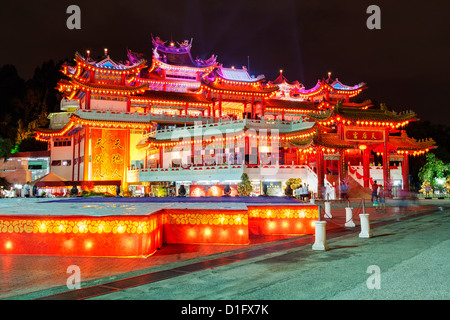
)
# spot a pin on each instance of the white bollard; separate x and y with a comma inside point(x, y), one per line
point(328, 210)
point(320, 242)
point(349, 217)
point(365, 226)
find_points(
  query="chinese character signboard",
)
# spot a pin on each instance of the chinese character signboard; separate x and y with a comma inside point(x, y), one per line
point(108, 154)
point(364, 135)
point(273, 188)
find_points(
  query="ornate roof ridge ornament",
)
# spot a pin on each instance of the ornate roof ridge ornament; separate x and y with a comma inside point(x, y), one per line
point(322, 114)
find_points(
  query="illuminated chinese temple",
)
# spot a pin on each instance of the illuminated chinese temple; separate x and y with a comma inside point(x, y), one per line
point(174, 120)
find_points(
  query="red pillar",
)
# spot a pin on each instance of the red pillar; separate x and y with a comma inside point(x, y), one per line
point(405, 172)
point(341, 173)
point(366, 167)
point(146, 159)
point(193, 152)
point(73, 156)
point(320, 173)
point(127, 160)
point(253, 106)
point(161, 156)
point(220, 106)
point(86, 153)
point(257, 150)
point(79, 157)
point(87, 104)
point(128, 104)
point(91, 76)
point(386, 169)
point(247, 149)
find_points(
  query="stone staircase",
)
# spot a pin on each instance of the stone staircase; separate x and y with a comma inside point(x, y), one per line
point(357, 191)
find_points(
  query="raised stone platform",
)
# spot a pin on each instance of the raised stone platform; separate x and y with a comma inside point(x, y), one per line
point(130, 227)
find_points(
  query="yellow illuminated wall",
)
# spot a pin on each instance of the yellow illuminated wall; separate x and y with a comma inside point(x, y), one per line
point(109, 149)
point(135, 153)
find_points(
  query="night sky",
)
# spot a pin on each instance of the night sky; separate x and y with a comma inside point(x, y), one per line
point(405, 64)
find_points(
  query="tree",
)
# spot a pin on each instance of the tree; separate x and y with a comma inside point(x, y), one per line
point(4, 183)
point(294, 183)
point(160, 191)
point(433, 169)
point(426, 188)
point(31, 144)
point(24, 105)
point(5, 148)
point(447, 185)
point(26, 131)
point(244, 188)
point(12, 92)
point(422, 130)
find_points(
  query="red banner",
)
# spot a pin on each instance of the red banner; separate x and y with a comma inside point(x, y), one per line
point(108, 154)
point(364, 135)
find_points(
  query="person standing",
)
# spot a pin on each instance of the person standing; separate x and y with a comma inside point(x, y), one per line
point(26, 190)
point(382, 198)
point(74, 191)
point(374, 191)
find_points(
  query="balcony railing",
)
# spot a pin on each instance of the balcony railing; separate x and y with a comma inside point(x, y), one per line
point(236, 125)
point(282, 126)
point(223, 126)
point(193, 173)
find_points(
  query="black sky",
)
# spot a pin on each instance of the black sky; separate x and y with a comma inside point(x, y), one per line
point(405, 64)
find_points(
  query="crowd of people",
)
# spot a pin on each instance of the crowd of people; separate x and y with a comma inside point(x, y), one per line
point(302, 192)
point(26, 191)
point(33, 191)
point(378, 196)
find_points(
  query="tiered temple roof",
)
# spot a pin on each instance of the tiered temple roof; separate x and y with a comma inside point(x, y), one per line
point(103, 76)
point(179, 54)
point(380, 118)
point(325, 89)
point(177, 57)
point(172, 98)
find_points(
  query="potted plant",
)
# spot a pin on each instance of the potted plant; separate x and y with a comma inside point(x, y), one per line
point(244, 188)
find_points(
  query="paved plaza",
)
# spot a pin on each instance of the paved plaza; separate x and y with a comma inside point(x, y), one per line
point(408, 250)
